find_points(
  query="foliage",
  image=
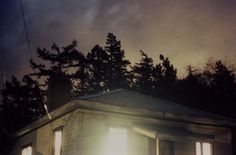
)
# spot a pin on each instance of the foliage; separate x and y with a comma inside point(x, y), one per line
point(22, 103)
point(143, 74)
point(209, 87)
point(117, 73)
point(98, 62)
point(59, 61)
point(104, 69)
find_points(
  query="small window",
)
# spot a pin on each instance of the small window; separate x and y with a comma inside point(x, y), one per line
point(27, 150)
point(117, 142)
point(57, 141)
point(203, 148)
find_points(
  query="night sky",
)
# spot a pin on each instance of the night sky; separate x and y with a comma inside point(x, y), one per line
point(186, 31)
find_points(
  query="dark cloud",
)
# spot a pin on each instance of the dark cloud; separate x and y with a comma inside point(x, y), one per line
point(187, 31)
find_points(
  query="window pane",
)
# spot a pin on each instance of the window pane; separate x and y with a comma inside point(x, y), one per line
point(206, 147)
point(198, 148)
point(26, 150)
point(117, 142)
point(57, 142)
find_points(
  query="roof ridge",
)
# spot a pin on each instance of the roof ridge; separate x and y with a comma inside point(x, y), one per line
point(170, 103)
point(182, 106)
point(100, 94)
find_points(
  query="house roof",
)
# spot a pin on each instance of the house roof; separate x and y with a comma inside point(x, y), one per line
point(128, 98)
point(129, 102)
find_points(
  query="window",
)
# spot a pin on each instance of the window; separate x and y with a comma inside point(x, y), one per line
point(27, 150)
point(203, 148)
point(57, 141)
point(117, 142)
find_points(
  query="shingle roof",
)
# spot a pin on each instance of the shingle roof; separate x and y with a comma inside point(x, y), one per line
point(128, 98)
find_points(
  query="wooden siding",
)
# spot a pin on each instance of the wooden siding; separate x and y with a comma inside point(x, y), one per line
point(85, 133)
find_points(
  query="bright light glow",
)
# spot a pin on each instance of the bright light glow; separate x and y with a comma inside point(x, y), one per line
point(203, 148)
point(57, 142)
point(198, 148)
point(26, 150)
point(206, 148)
point(117, 142)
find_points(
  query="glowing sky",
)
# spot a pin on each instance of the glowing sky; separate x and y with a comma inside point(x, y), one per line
point(186, 31)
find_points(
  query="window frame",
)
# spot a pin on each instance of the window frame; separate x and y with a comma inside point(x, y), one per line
point(60, 128)
point(201, 147)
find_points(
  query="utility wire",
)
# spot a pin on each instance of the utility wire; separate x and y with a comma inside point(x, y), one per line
point(26, 30)
point(30, 52)
point(2, 62)
point(2, 57)
point(2, 67)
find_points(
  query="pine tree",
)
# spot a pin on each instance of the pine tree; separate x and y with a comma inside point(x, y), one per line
point(58, 62)
point(98, 66)
point(165, 78)
point(22, 103)
point(223, 80)
point(143, 74)
point(118, 74)
point(169, 72)
point(66, 63)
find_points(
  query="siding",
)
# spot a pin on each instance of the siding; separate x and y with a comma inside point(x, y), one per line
point(222, 149)
point(92, 134)
point(184, 148)
point(43, 140)
point(25, 140)
point(86, 134)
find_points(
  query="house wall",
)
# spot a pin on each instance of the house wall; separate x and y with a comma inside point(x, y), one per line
point(184, 148)
point(222, 149)
point(85, 133)
point(29, 139)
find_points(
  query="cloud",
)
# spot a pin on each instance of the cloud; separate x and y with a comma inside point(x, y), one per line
point(187, 31)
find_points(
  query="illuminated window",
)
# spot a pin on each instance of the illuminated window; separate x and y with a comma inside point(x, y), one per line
point(117, 142)
point(26, 150)
point(57, 142)
point(203, 148)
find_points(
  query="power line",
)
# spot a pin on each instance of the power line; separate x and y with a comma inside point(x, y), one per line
point(26, 30)
point(3, 75)
point(1, 48)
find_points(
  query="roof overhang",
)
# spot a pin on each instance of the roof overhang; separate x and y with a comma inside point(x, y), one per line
point(124, 111)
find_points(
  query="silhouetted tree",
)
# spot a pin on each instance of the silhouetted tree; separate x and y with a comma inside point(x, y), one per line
point(22, 103)
point(165, 77)
point(58, 61)
point(223, 80)
point(68, 63)
point(169, 72)
point(192, 90)
point(143, 75)
point(209, 88)
point(98, 66)
point(117, 73)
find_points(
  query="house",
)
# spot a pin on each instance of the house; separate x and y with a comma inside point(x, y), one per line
point(122, 122)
